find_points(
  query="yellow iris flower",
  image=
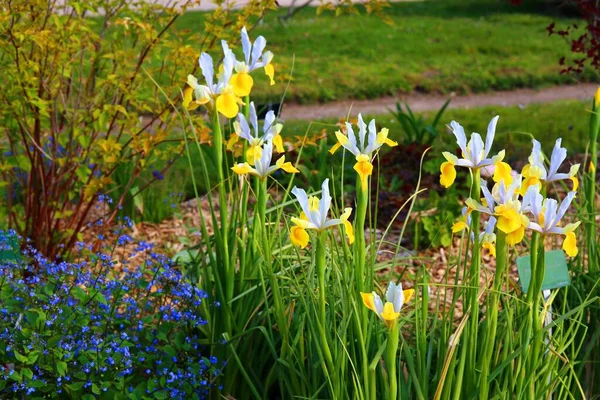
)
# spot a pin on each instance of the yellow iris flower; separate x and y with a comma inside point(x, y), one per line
point(249, 131)
point(535, 172)
point(395, 299)
point(474, 153)
point(254, 58)
point(362, 146)
point(503, 203)
point(547, 215)
point(314, 216)
point(262, 167)
point(487, 238)
point(219, 93)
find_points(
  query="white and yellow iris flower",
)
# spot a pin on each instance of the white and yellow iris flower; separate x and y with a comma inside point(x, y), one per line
point(487, 238)
point(474, 153)
point(504, 204)
point(262, 166)
point(221, 92)
point(254, 58)
point(535, 172)
point(547, 215)
point(363, 146)
point(314, 216)
point(250, 132)
point(395, 298)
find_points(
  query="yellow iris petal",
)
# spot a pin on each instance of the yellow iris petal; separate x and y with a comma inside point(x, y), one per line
point(342, 139)
point(301, 222)
point(391, 143)
point(364, 169)
point(408, 294)
point(382, 138)
point(242, 84)
point(368, 300)
point(459, 226)
point(575, 183)
point(253, 153)
point(286, 166)
point(448, 174)
point(388, 314)
point(570, 244)
point(525, 170)
point(502, 172)
point(349, 231)
point(508, 225)
point(188, 94)
point(227, 104)
point(528, 182)
point(515, 236)
point(335, 148)
point(270, 72)
point(242, 169)
point(278, 142)
point(299, 236)
point(490, 247)
point(232, 141)
point(592, 167)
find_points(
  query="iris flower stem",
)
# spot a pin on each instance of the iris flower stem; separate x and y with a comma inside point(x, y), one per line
point(474, 272)
point(469, 338)
point(218, 159)
point(362, 201)
point(591, 186)
point(527, 331)
point(245, 194)
point(536, 287)
point(492, 312)
point(320, 266)
point(266, 247)
point(391, 352)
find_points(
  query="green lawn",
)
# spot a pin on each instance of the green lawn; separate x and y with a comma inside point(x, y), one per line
point(440, 46)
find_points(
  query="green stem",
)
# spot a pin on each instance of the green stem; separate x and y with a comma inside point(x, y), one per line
point(244, 205)
point(224, 253)
point(591, 187)
point(474, 272)
point(468, 350)
point(267, 258)
point(362, 201)
point(391, 352)
point(320, 265)
point(537, 321)
point(492, 312)
point(523, 370)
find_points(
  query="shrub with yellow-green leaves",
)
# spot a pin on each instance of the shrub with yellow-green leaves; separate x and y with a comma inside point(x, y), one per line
point(78, 98)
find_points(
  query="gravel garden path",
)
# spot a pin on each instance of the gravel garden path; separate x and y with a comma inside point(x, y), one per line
point(429, 102)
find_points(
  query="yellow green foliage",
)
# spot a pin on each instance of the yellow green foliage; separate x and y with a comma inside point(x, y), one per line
point(78, 97)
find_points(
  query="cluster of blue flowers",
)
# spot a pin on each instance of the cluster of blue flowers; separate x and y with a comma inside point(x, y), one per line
point(101, 327)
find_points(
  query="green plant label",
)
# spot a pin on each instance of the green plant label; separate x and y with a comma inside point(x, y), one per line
point(11, 251)
point(556, 275)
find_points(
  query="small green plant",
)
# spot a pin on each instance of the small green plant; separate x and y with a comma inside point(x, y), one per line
point(416, 128)
point(433, 216)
